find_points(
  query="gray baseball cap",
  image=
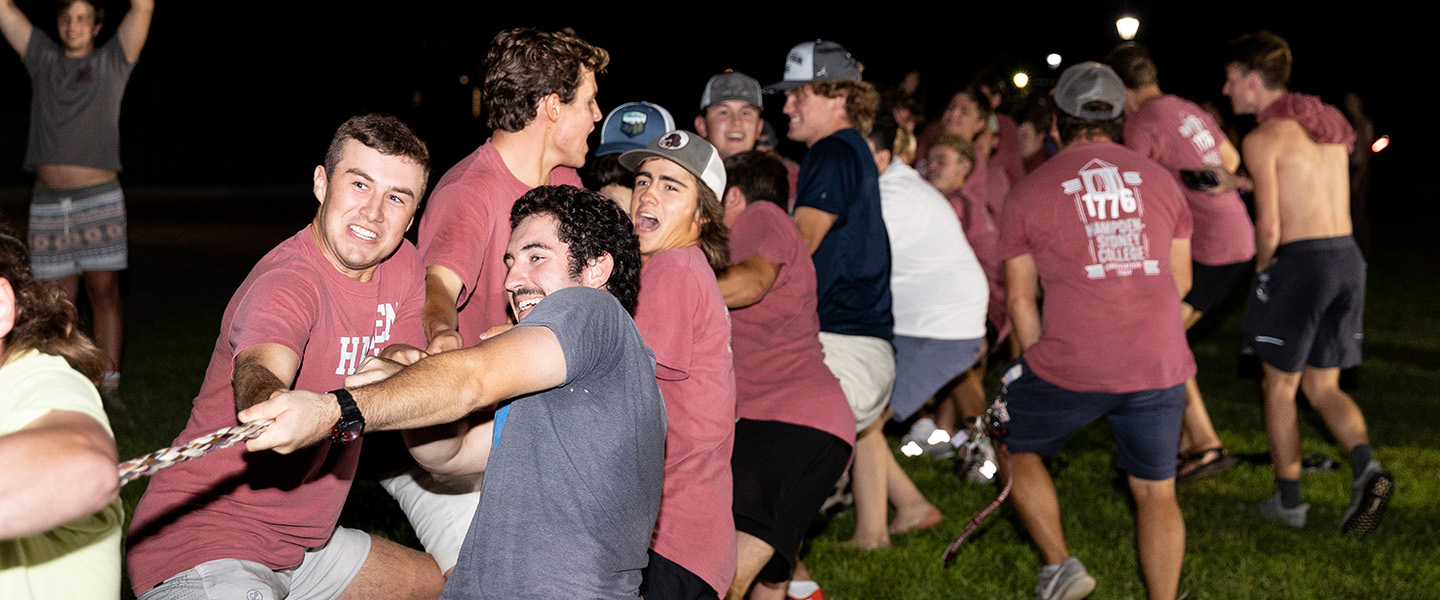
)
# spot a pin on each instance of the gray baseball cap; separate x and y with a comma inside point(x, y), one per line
point(820, 60)
point(688, 150)
point(731, 86)
point(1090, 82)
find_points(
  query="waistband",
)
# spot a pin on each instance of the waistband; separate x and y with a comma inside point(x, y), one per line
point(83, 192)
point(1317, 245)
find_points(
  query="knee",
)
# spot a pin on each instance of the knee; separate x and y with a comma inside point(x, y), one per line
point(1319, 386)
point(1153, 493)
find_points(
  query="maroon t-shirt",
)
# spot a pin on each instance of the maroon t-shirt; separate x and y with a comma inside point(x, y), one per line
point(682, 317)
point(1099, 220)
point(1179, 135)
point(980, 219)
point(466, 228)
point(262, 506)
point(1007, 149)
point(780, 372)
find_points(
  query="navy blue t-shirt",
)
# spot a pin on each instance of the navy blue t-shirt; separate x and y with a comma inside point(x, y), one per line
point(852, 264)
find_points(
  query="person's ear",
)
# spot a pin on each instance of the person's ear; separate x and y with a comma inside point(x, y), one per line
point(7, 308)
point(597, 273)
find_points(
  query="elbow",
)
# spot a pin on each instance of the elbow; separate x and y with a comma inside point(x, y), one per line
point(96, 482)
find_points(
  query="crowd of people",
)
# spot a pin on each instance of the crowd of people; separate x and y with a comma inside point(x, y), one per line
point(651, 387)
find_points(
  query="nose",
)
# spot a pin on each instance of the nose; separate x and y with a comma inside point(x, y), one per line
point(373, 208)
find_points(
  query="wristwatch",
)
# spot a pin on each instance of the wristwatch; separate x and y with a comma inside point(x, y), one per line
point(351, 424)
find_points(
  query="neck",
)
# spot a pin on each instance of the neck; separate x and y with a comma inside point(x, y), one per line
point(1147, 93)
point(834, 127)
point(1269, 96)
point(525, 154)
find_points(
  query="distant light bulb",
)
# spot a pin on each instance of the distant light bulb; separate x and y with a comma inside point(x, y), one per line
point(1021, 80)
point(1380, 144)
point(1053, 60)
point(1127, 26)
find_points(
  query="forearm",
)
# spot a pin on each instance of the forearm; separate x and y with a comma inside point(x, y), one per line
point(440, 315)
point(1025, 321)
point(54, 475)
point(254, 383)
point(459, 448)
point(747, 282)
point(436, 390)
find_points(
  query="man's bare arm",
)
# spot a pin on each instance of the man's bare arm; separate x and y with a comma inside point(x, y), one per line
point(1180, 266)
point(1229, 156)
point(58, 468)
point(440, 318)
point(439, 389)
point(15, 27)
point(746, 282)
point(135, 28)
point(1022, 292)
point(813, 224)
point(261, 372)
point(460, 448)
point(1262, 160)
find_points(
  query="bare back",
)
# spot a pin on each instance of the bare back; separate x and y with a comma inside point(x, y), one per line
point(1302, 189)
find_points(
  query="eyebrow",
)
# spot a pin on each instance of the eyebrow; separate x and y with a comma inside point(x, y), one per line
point(366, 176)
point(663, 178)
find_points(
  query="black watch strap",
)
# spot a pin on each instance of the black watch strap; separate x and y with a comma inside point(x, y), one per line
point(351, 424)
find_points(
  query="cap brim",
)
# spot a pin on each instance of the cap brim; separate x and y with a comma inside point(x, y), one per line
point(788, 84)
point(632, 159)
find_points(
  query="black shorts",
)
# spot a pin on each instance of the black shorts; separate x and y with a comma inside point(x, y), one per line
point(783, 473)
point(1307, 308)
point(1211, 283)
point(665, 580)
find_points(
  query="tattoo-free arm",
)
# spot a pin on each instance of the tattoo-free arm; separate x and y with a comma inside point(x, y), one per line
point(439, 389)
point(1261, 159)
point(15, 27)
point(1180, 266)
point(440, 318)
point(746, 282)
point(135, 28)
point(1022, 291)
point(813, 224)
point(262, 371)
point(59, 467)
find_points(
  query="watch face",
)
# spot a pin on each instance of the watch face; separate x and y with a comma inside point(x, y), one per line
point(345, 432)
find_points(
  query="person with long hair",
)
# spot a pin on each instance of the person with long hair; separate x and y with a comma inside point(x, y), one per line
point(59, 511)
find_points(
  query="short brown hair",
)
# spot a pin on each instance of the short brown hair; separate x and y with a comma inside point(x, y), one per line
point(1133, 63)
point(958, 143)
point(384, 134)
point(62, 5)
point(524, 65)
point(761, 177)
point(1264, 53)
point(862, 101)
point(44, 320)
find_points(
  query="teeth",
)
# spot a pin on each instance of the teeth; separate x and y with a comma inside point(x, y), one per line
point(527, 304)
point(363, 233)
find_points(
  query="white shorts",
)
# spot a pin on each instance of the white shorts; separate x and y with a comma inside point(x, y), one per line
point(323, 575)
point(438, 508)
point(865, 367)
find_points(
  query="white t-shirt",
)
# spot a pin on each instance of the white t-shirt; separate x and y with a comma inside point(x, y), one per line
point(939, 290)
point(80, 559)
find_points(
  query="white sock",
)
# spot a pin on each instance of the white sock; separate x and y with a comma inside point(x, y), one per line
point(802, 589)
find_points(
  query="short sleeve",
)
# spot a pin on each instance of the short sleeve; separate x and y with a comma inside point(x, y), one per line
point(453, 234)
point(34, 384)
point(665, 313)
point(280, 308)
point(41, 51)
point(589, 323)
point(826, 177)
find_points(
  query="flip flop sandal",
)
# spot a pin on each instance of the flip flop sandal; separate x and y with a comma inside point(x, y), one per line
point(1199, 468)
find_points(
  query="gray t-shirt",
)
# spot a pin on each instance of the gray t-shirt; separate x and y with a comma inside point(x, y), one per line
point(573, 486)
point(75, 104)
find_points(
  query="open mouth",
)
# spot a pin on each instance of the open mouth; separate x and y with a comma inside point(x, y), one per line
point(645, 222)
point(364, 234)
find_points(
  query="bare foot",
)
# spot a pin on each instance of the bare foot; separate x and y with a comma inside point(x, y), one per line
point(916, 521)
point(867, 544)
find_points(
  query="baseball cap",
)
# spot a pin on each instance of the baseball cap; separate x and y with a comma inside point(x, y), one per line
point(820, 60)
point(731, 86)
point(633, 125)
point(688, 150)
point(1090, 82)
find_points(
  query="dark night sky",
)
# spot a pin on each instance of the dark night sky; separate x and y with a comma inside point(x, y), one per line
point(231, 93)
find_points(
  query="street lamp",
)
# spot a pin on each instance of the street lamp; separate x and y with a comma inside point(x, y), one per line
point(1127, 26)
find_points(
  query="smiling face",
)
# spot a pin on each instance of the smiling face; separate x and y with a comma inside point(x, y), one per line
point(962, 117)
point(366, 205)
point(538, 263)
point(575, 121)
point(665, 207)
point(77, 28)
point(946, 169)
point(731, 126)
point(813, 117)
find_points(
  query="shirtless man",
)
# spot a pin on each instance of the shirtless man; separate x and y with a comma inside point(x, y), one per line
point(77, 211)
point(1303, 319)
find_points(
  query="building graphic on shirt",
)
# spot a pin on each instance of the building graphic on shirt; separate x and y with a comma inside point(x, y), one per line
point(353, 349)
point(1110, 207)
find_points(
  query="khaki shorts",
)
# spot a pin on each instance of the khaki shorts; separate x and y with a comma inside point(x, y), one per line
point(865, 367)
point(325, 573)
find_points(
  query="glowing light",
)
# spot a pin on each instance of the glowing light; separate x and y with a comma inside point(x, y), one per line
point(989, 469)
point(1127, 26)
point(939, 436)
point(1053, 60)
point(1380, 144)
point(911, 449)
point(1021, 79)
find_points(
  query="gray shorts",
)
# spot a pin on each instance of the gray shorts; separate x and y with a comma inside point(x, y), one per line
point(924, 365)
point(323, 575)
point(73, 231)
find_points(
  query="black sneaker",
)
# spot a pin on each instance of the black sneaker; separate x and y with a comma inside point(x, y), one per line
point(1369, 495)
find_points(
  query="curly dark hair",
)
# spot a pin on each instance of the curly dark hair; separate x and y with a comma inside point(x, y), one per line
point(524, 65)
point(592, 225)
point(44, 319)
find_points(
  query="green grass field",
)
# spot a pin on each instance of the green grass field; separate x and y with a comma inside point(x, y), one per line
point(180, 282)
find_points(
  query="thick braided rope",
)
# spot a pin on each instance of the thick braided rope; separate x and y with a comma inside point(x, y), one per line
point(164, 458)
